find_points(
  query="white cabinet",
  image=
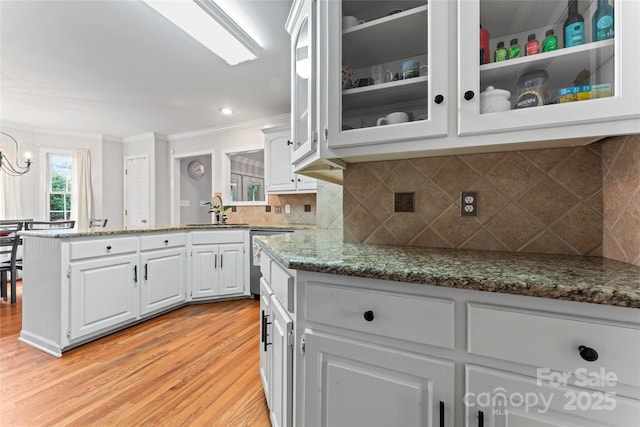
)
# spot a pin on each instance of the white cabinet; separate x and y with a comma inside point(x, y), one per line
point(277, 341)
point(351, 383)
point(497, 398)
point(281, 340)
point(442, 100)
point(104, 294)
point(163, 269)
point(279, 174)
point(218, 263)
point(595, 64)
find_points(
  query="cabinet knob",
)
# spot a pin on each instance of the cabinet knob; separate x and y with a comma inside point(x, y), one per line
point(289, 142)
point(109, 247)
point(292, 180)
point(438, 99)
point(166, 242)
point(588, 354)
point(368, 315)
point(468, 95)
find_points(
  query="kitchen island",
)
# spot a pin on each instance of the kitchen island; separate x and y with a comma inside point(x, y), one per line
point(357, 334)
point(79, 285)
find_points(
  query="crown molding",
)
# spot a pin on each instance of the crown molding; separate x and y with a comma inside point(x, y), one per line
point(264, 122)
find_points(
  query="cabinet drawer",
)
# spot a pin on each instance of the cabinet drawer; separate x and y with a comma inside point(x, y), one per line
point(215, 237)
point(159, 241)
point(408, 317)
point(282, 284)
point(552, 341)
point(102, 247)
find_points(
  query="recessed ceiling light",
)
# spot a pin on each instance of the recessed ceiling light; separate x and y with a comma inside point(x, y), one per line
point(226, 111)
point(206, 22)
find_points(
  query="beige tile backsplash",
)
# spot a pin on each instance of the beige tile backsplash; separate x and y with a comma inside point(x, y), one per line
point(548, 201)
point(621, 198)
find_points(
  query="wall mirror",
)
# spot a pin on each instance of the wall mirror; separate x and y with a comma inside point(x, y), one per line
point(245, 178)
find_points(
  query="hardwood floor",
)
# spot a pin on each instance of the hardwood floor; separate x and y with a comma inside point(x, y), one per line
point(196, 366)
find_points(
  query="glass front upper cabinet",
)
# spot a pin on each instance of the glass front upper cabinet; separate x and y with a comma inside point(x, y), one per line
point(535, 63)
point(303, 132)
point(387, 78)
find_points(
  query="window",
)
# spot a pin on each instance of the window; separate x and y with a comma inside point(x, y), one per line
point(59, 186)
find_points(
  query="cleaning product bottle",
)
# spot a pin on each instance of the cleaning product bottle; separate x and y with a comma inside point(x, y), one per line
point(514, 49)
point(573, 26)
point(501, 53)
point(602, 22)
point(484, 45)
point(550, 42)
point(533, 45)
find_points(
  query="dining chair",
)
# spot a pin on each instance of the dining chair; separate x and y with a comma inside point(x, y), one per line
point(49, 225)
point(97, 222)
point(9, 239)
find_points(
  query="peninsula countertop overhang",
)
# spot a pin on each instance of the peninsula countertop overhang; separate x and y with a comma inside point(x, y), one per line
point(572, 278)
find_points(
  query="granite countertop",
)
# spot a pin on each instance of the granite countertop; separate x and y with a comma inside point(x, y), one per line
point(87, 232)
point(573, 278)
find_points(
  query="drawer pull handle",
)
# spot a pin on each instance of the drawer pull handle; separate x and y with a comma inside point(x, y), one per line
point(588, 354)
point(368, 315)
point(441, 413)
point(109, 247)
point(480, 419)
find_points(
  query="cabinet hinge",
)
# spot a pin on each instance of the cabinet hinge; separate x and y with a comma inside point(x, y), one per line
point(68, 272)
point(68, 333)
point(326, 135)
point(314, 136)
point(303, 342)
point(291, 339)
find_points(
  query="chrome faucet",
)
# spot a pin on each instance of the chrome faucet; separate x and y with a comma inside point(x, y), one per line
point(218, 214)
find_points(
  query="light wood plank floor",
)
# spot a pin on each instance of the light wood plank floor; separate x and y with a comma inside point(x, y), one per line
point(196, 366)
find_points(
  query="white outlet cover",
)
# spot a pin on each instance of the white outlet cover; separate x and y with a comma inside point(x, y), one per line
point(287, 209)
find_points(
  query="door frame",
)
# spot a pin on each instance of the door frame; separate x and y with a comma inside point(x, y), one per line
point(174, 178)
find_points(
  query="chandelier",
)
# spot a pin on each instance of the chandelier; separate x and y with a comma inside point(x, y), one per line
point(12, 169)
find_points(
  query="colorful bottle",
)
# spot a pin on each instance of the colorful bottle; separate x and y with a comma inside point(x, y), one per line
point(484, 45)
point(550, 41)
point(533, 45)
point(602, 22)
point(501, 53)
point(514, 49)
point(573, 26)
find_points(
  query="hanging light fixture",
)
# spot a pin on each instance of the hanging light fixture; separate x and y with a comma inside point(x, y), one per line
point(5, 164)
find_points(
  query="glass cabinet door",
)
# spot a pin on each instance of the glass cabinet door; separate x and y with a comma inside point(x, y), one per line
point(387, 70)
point(539, 63)
point(303, 132)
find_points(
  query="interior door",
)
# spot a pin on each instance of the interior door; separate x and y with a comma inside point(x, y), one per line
point(136, 192)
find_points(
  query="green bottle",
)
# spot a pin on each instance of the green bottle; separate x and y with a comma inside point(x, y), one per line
point(550, 42)
point(501, 53)
point(514, 49)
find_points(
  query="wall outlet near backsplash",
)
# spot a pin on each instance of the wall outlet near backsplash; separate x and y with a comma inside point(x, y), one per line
point(468, 203)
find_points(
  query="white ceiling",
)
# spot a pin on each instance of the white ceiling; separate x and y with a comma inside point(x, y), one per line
point(118, 68)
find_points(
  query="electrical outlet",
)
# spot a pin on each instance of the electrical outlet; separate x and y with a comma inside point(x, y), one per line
point(468, 203)
point(279, 209)
point(287, 209)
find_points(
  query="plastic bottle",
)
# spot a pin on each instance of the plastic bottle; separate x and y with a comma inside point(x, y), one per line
point(550, 41)
point(484, 44)
point(501, 53)
point(602, 22)
point(514, 49)
point(573, 26)
point(533, 45)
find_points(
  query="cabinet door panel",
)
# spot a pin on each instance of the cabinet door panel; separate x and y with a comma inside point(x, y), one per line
point(163, 279)
point(265, 329)
point(517, 401)
point(281, 366)
point(280, 173)
point(348, 383)
point(231, 269)
point(204, 265)
point(103, 294)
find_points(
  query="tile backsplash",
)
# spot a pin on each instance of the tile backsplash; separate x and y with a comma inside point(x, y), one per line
point(621, 198)
point(546, 201)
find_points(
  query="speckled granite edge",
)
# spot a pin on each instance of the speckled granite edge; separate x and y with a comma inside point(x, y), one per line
point(572, 278)
point(73, 233)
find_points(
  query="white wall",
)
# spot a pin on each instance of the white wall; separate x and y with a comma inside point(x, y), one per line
point(102, 150)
